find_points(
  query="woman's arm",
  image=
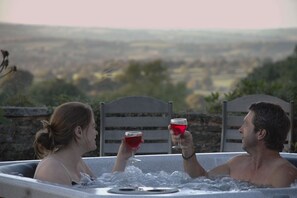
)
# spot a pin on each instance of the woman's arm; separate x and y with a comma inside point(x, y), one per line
point(124, 153)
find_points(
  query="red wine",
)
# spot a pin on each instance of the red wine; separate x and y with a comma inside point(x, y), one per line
point(178, 129)
point(133, 141)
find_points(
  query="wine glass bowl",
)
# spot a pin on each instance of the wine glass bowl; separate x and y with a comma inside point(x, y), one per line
point(133, 139)
point(178, 126)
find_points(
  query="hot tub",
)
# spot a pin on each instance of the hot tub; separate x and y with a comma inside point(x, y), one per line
point(16, 179)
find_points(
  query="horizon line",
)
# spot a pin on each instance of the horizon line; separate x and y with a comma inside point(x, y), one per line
point(147, 28)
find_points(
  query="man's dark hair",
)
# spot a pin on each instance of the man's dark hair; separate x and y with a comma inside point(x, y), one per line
point(274, 120)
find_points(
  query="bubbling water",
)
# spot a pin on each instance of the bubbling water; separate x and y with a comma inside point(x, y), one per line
point(134, 177)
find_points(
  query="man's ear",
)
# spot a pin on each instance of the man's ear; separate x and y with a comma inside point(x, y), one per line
point(78, 131)
point(261, 134)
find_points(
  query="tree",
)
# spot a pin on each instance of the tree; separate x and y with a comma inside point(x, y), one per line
point(4, 66)
point(82, 83)
point(150, 79)
point(14, 88)
point(196, 102)
point(55, 92)
point(273, 78)
point(16, 82)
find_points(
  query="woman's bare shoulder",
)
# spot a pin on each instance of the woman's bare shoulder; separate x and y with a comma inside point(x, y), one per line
point(51, 170)
point(49, 164)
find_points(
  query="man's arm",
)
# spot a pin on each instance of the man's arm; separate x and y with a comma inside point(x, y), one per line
point(191, 164)
point(194, 169)
point(221, 170)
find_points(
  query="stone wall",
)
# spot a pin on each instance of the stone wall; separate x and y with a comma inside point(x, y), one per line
point(17, 133)
point(206, 131)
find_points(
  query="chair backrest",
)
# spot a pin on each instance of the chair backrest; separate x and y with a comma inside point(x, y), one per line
point(234, 112)
point(149, 115)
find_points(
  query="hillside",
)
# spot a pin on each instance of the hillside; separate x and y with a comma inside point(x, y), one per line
point(222, 56)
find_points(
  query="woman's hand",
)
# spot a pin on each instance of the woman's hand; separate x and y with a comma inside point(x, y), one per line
point(125, 151)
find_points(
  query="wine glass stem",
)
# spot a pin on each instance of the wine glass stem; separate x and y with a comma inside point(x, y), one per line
point(133, 159)
point(179, 142)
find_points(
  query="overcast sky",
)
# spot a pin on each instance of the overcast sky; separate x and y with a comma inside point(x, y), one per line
point(156, 14)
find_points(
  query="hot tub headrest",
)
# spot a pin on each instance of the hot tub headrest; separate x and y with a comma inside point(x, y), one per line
point(293, 160)
point(25, 169)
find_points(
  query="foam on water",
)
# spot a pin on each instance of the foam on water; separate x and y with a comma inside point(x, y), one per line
point(134, 177)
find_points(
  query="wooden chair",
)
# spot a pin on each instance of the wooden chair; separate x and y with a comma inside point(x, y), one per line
point(146, 114)
point(233, 114)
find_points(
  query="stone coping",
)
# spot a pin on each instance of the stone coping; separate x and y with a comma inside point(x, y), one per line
point(10, 111)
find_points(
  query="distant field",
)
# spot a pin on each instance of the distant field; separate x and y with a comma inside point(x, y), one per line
point(223, 82)
point(151, 44)
point(207, 61)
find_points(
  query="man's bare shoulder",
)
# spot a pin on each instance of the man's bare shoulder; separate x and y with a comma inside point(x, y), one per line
point(239, 158)
point(284, 173)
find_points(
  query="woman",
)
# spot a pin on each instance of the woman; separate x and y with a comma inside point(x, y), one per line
point(70, 133)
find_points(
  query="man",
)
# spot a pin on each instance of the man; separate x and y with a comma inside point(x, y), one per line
point(264, 132)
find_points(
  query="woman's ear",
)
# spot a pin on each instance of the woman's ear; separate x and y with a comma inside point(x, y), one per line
point(78, 131)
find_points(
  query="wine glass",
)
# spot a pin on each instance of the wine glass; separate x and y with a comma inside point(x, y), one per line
point(178, 126)
point(133, 139)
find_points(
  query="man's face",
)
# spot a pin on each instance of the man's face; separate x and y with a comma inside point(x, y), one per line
point(249, 138)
